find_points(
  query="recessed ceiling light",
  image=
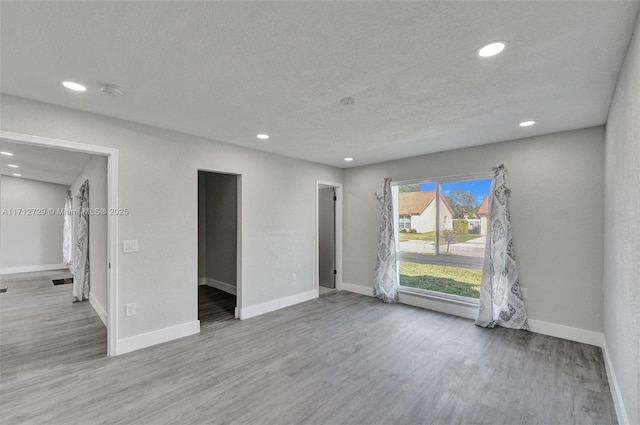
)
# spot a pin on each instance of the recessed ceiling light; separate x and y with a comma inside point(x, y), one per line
point(111, 90)
point(6, 153)
point(13, 166)
point(348, 159)
point(262, 136)
point(527, 123)
point(347, 101)
point(74, 86)
point(491, 49)
point(17, 175)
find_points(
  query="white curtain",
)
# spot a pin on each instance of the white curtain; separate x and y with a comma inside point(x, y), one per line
point(385, 285)
point(66, 235)
point(500, 298)
point(81, 281)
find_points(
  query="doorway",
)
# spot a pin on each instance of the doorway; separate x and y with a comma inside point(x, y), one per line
point(329, 236)
point(218, 246)
point(109, 252)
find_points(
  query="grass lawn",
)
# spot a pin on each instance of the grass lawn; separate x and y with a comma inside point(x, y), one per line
point(431, 236)
point(450, 280)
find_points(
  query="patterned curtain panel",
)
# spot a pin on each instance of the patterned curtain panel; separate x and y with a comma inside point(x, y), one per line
point(385, 285)
point(81, 280)
point(500, 298)
point(66, 235)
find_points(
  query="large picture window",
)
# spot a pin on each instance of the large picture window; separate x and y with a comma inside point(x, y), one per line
point(441, 232)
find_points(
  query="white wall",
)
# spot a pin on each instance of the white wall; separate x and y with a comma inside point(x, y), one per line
point(30, 240)
point(96, 172)
point(556, 209)
point(622, 234)
point(158, 174)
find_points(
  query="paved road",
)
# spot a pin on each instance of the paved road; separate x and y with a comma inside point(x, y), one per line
point(473, 247)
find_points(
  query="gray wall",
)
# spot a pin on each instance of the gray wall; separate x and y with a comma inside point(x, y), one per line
point(622, 232)
point(30, 240)
point(556, 209)
point(219, 226)
point(158, 174)
point(96, 172)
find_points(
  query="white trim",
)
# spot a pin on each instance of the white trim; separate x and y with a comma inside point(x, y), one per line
point(455, 308)
point(616, 394)
point(100, 311)
point(223, 286)
point(358, 289)
point(137, 342)
point(29, 269)
point(112, 222)
point(567, 332)
point(269, 306)
point(339, 232)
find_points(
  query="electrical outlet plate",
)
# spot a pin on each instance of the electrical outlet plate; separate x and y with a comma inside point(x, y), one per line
point(130, 309)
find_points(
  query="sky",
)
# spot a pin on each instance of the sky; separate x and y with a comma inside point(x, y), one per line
point(479, 188)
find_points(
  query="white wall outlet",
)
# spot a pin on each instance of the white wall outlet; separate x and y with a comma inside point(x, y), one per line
point(130, 246)
point(130, 309)
point(294, 276)
point(524, 292)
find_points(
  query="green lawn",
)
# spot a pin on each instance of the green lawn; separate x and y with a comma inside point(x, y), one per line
point(450, 280)
point(431, 236)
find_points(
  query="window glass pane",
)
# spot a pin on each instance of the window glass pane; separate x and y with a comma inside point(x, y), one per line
point(463, 217)
point(449, 280)
point(416, 210)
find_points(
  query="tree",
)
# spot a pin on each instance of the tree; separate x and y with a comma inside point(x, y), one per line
point(408, 188)
point(462, 204)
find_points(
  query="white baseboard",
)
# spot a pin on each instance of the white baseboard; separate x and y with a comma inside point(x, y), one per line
point(567, 332)
point(28, 269)
point(137, 342)
point(621, 412)
point(223, 286)
point(269, 306)
point(358, 289)
point(98, 309)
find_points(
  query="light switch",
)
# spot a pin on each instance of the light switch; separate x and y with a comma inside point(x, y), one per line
point(130, 246)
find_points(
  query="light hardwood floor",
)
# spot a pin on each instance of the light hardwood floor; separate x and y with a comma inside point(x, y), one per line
point(340, 359)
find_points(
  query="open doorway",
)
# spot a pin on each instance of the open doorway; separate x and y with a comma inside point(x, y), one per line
point(329, 236)
point(218, 246)
point(48, 166)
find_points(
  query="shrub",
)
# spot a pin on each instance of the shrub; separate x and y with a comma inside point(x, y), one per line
point(403, 230)
point(461, 226)
point(413, 231)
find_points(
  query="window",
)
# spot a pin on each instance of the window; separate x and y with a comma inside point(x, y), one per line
point(404, 222)
point(443, 252)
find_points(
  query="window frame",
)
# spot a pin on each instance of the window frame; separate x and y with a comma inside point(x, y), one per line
point(436, 258)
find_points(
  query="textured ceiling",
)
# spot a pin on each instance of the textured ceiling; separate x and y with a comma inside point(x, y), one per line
point(229, 70)
point(40, 163)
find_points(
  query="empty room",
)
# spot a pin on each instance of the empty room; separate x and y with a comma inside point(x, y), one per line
point(320, 212)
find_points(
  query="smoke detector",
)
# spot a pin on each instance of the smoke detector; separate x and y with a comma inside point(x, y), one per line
point(112, 90)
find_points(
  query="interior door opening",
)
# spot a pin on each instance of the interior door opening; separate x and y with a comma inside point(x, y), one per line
point(329, 236)
point(218, 246)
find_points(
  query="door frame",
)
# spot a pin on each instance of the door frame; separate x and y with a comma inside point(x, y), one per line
point(321, 184)
point(238, 308)
point(112, 219)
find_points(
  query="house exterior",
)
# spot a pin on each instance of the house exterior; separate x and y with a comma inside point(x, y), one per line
point(483, 213)
point(418, 211)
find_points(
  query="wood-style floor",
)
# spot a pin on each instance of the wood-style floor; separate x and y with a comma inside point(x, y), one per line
point(340, 359)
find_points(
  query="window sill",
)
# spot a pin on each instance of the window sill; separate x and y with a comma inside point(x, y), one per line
point(439, 296)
